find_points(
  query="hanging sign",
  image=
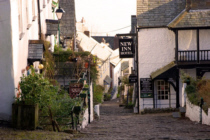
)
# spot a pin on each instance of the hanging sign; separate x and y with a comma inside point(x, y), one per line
point(146, 88)
point(126, 48)
point(132, 79)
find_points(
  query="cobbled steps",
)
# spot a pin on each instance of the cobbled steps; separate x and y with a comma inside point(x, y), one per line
point(117, 123)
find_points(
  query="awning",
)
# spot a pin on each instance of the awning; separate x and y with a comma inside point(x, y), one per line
point(168, 71)
point(107, 80)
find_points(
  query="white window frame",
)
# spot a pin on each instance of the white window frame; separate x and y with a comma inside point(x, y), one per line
point(163, 90)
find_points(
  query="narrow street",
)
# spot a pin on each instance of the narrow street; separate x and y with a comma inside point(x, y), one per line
point(117, 123)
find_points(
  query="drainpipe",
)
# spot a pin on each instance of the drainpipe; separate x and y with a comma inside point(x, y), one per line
point(137, 66)
point(39, 19)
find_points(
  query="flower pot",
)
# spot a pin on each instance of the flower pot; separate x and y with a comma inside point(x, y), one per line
point(25, 116)
point(187, 81)
point(85, 89)
point(83, 95)
point(77, 109)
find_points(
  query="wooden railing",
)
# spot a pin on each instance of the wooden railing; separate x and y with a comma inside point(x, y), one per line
point(192, 56)
point(187, 56)
point(205, 55)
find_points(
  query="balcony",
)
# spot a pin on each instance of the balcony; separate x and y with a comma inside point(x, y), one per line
point(192, 57)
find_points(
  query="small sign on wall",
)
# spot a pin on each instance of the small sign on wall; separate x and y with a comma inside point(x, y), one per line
point(126, 48)
point(146, 88)
point(133, 79)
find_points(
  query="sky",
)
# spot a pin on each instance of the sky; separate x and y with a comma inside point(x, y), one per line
point(105, 16)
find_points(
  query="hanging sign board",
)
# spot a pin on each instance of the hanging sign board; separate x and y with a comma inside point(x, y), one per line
point(132, 79)
point(146, 88)
point(126, 48)
point(35, 51)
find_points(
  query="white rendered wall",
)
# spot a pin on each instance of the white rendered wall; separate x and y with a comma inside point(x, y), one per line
point(13, 51)
point(117, 73)
point(156, 49)
point(104, 71)
point(6, 60)
point(193, 113)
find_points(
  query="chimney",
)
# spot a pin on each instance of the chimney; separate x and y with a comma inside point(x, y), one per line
point(188, 5)
point(197, 4)
point(83, 20)
point(87, 33)
point(103, 41)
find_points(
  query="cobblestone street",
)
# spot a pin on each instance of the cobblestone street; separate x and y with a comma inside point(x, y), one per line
point(117, 123)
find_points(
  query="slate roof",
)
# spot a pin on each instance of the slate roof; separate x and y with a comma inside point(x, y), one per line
point(193, 18)
point(152, 13)
point(114, 58)
point(173, 13)
point(68, 21)
point(102, 51)
point(107, 79)
point(124, 65)
point(109, 39)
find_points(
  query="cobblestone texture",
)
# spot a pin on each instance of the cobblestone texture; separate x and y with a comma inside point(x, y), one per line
point(117, 123)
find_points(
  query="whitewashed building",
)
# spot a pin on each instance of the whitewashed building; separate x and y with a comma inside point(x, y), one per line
point(173, 35)
point(22, 23)
point(103, 53)
point(115, 68)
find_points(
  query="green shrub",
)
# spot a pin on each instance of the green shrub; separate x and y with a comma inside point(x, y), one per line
point(98, 94)
point(118, 95)
point(129, 105)
point(107, 97)
point(190, 89)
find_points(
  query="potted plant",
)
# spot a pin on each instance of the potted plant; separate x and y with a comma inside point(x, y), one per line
point(86, 87)
point(83, 94)
point(186, 78)
point(78, 106)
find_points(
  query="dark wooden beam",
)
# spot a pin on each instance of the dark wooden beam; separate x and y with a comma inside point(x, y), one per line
point(177, 89)
point(176, 46)
point(198, 46)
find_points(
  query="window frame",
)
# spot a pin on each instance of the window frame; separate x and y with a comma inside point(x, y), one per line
point(20, 19)
point(163, 90)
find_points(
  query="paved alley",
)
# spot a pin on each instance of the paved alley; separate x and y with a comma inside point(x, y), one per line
point(117, 123)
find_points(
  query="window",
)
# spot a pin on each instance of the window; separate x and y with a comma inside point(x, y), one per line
point(44, 3)
point(33, 10)
point(20, 20)
point(162, 90)
point(27, 15)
